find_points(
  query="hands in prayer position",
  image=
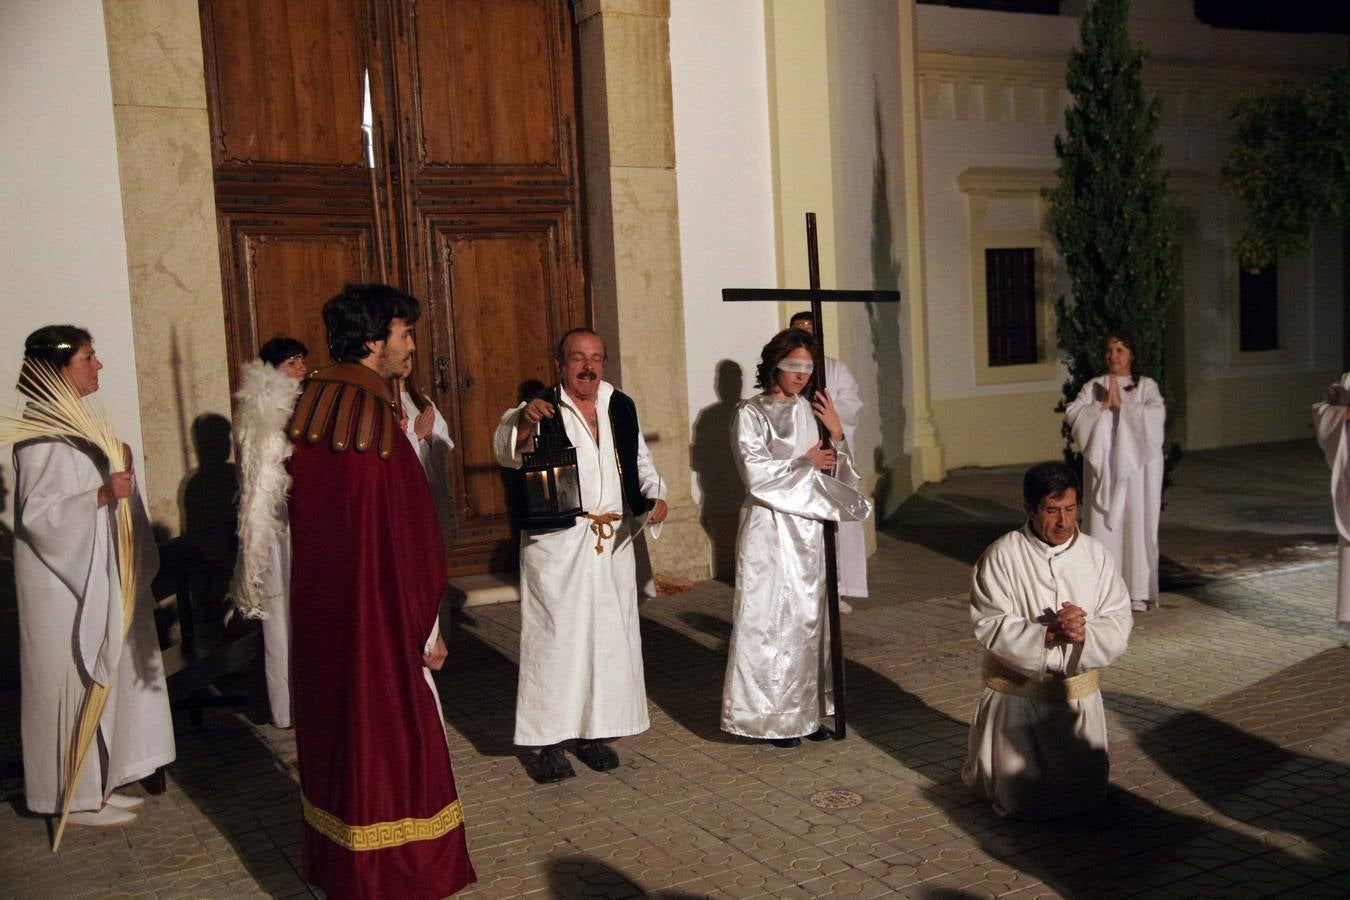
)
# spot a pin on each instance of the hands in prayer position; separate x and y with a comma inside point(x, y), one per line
point(424, 422)
point(1112, 400)
point(1067, 625)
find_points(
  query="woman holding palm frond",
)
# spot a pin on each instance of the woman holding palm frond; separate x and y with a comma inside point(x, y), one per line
point(70, 602)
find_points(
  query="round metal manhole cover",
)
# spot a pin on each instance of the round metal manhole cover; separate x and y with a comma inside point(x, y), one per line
point(836, 798)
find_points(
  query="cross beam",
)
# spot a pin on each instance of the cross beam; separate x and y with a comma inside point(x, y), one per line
point(815, 296)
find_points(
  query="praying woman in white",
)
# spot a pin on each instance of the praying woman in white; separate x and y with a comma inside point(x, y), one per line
point(1332, 418)
point(70, 612)
point(1117, 422)
point(778, 675)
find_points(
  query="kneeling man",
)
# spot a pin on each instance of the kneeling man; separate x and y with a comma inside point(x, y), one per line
point(1050, 610)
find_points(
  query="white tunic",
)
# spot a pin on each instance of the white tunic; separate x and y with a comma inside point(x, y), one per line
point(1034, 758)
point(434, 454)
point(1329, 417)
point(580, 648)
point(1122, 476)
point(778, 666)
point(70, 631)
point(851, 542)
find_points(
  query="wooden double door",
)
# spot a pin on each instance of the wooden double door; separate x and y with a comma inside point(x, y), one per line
point(472, 203)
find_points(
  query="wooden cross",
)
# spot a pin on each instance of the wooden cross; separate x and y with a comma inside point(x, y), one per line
point(815, 296)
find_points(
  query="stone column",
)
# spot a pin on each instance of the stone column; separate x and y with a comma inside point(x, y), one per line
point(633, 235)
point(173, 255)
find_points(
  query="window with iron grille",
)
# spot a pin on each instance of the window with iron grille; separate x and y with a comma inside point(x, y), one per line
point(1259, 309)
point(1010, 298)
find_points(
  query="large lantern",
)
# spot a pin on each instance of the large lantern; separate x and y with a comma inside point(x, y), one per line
point(552, 487)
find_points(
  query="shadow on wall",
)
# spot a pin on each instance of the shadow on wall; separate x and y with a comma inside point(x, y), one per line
point(207, 501)
point(884, 322)
point(714, 465)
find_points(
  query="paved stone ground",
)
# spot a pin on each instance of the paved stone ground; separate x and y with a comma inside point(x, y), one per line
point(1228, 723)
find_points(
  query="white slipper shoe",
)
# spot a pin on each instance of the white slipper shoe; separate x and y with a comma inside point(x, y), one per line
point(124, 801)
point(107, 817)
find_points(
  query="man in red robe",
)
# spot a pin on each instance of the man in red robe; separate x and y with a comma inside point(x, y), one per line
point(382, 818)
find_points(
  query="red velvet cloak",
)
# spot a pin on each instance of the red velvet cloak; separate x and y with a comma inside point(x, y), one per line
point(382, 818)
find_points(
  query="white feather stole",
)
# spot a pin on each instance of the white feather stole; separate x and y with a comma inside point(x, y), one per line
point(266, 398)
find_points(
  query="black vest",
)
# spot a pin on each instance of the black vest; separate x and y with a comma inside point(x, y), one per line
point(623, 422)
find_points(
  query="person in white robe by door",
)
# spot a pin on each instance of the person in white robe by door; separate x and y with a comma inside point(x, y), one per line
point(261, 586)
point(851, 540)
point(69, 594)
point(1050, 611)
point(778, 684)
point(1117, 422)
point(581, 673)
point(429, 434)
point(1332, 419)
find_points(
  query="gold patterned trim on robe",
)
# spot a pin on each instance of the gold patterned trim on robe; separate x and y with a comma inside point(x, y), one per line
point(1000, 678)
point(382, 835)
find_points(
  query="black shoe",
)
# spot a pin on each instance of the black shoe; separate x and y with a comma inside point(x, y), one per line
point(598, 755)
point(820, 734)
point(786, 742)
point(552, 766)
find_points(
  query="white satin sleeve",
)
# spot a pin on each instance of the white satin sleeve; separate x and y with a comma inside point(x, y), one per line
point(504, 439)
point(1109, 625)
point(791, 486)
point(1329, 419)
point(1000, 626)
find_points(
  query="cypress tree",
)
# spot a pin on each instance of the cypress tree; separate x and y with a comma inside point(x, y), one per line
point(1109, 210)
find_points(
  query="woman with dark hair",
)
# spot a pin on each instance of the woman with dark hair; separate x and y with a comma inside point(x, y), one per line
point(777, 685)
point(1117, 422)
point(70, 608)
point(262, 575)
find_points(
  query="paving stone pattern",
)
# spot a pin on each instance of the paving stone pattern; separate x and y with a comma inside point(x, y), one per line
point(1230, 769)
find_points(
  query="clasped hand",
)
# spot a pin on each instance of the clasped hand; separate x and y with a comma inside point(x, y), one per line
point(120, 485)
point(1113, 399)
point(1067, 624)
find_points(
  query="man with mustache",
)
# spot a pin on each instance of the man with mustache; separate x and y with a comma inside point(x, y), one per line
point(1051, 610)
point(381, 815)
point(581, 673)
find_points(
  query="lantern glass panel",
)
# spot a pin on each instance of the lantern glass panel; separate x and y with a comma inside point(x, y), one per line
point(569, 490)
point(537, 495)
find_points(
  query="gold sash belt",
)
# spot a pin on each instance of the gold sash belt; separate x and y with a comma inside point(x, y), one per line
point(1058, 689)
point(602, 526)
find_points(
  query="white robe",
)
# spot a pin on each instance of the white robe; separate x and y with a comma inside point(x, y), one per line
point(1122, 476)
point(433, 453)
point(1034, 758)
point(70, 631)
point(778, 665)
point(581, 670)
point(1329, 417)
point(851, 541)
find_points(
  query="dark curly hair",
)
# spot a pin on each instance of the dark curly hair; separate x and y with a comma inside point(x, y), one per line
point(1048, 479)
point(776, 350)
point(362, 313)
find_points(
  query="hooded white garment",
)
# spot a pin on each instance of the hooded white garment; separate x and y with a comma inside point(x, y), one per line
point(262, 576)
point(778, 664)
point(1038, 758)
point(851, 542)
point(70, 630)
point(1329, 417)
point(581, 672)
point(1122, 476)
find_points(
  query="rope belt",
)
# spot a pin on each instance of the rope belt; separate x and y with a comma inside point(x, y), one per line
point(602, 526)
point(1059, 689)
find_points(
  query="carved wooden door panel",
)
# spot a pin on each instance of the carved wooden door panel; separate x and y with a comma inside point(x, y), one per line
point(478, 197)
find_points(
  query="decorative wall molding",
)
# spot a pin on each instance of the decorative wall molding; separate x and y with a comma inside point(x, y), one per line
point(957, 86)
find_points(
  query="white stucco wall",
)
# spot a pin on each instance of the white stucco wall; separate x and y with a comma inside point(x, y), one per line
point(725, 188)
point(62, 244)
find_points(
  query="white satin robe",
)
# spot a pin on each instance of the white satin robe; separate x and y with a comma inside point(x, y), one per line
point(1329, 417)
point(778, 664)
point(70, 631)
point(1123, 476)
point(433, 453)
point(851, 541)
point(581, 672)
point(1032, 758)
